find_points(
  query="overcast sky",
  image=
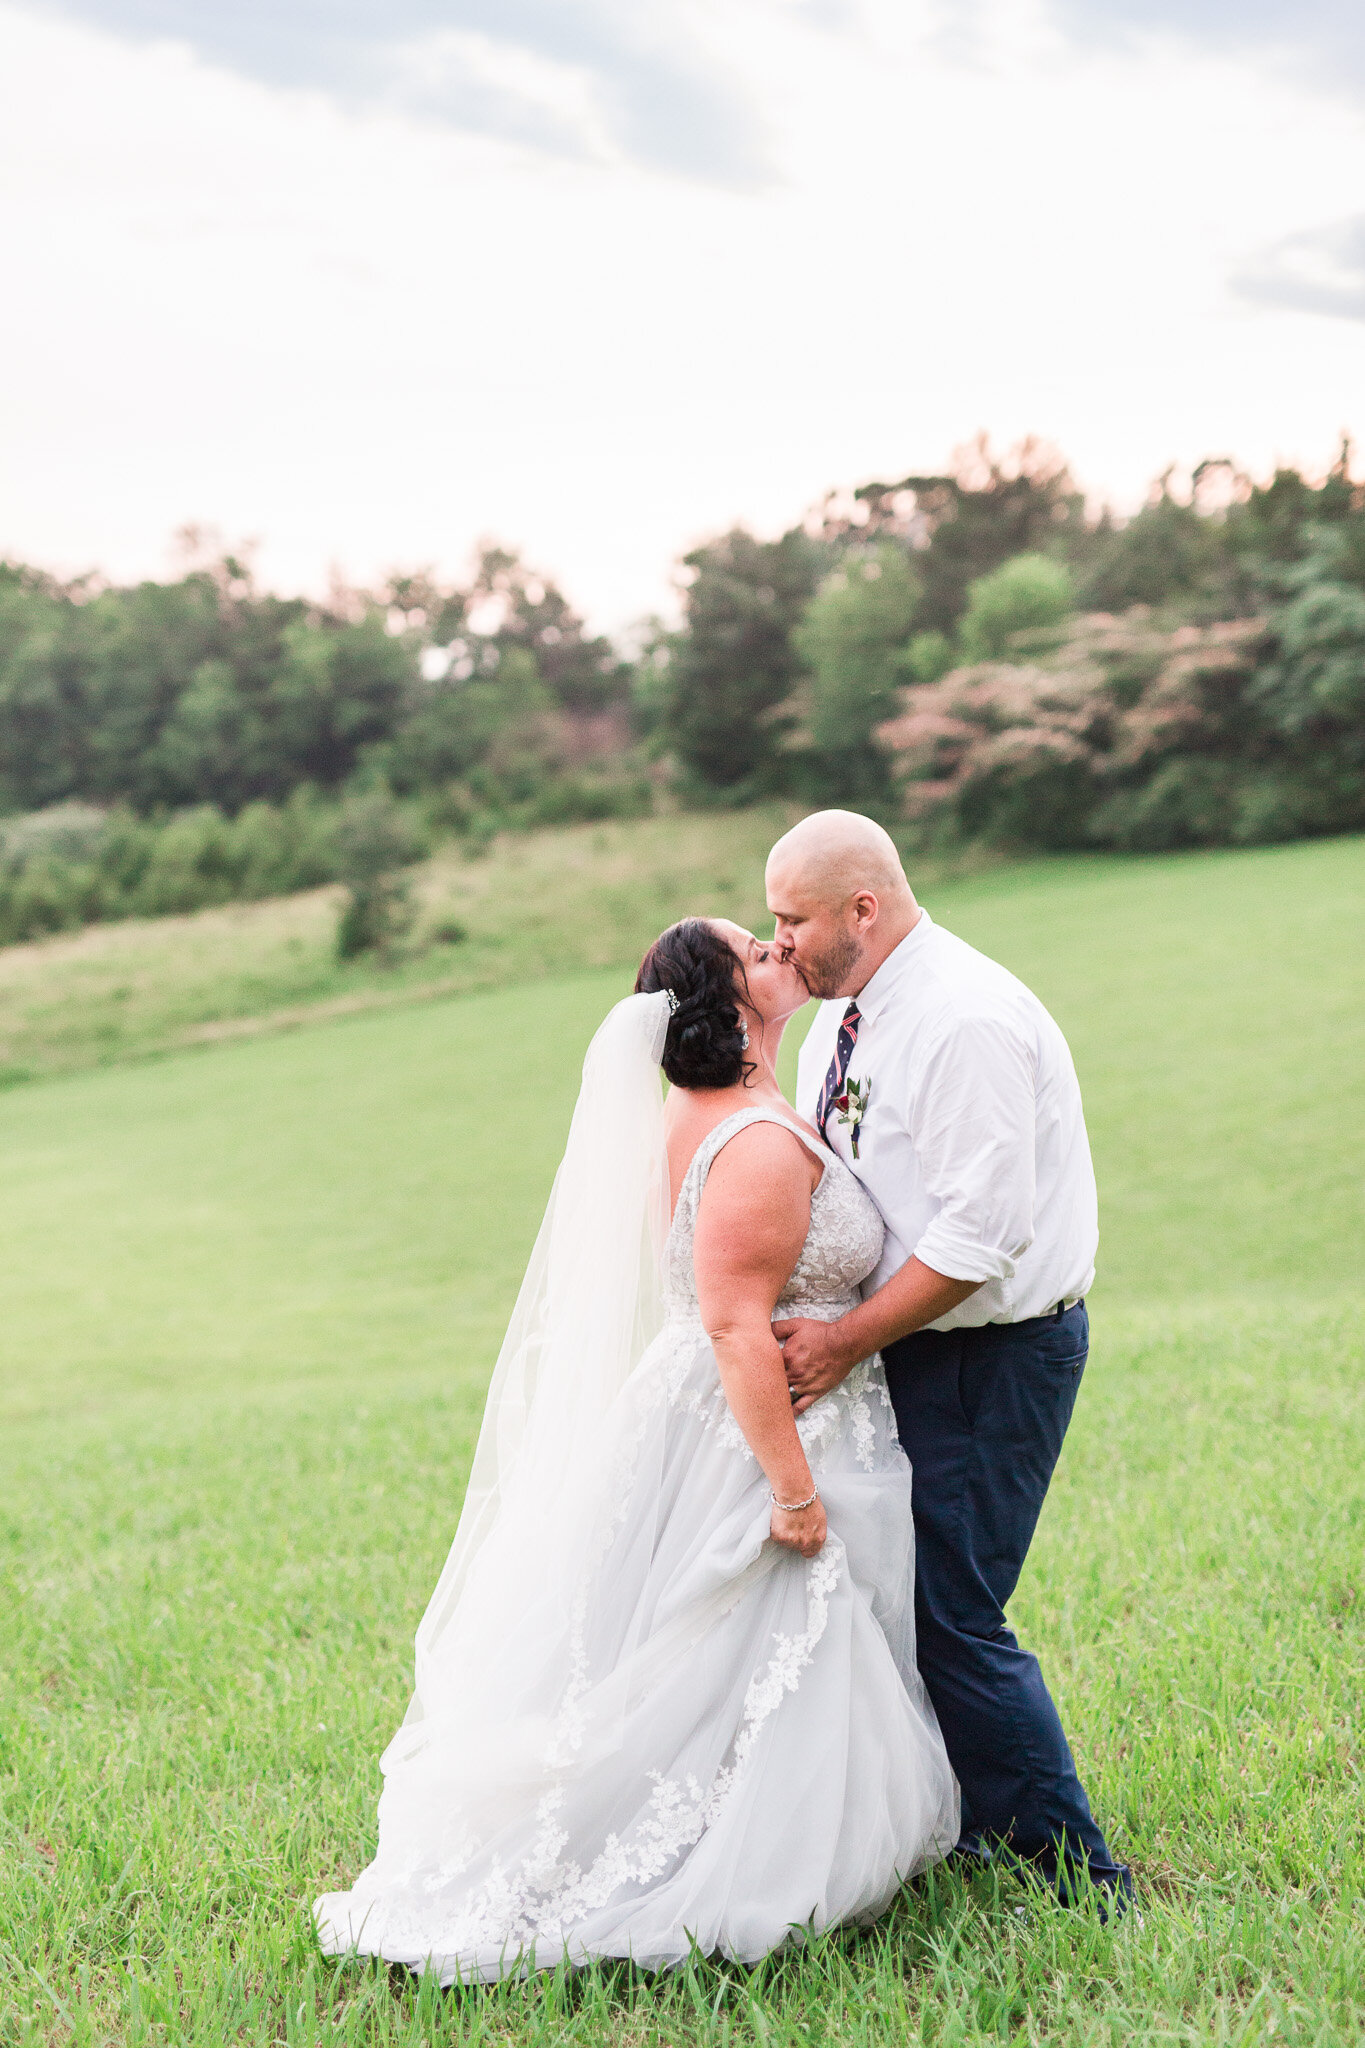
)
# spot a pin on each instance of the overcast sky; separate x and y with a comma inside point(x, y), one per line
point(366, 279)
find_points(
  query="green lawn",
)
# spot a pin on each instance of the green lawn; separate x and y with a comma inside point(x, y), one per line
point(250, 1296)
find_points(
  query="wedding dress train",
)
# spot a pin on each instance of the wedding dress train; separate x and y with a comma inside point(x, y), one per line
point(676, 1732)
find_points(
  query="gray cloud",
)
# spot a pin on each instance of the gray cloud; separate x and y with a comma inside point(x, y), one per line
point(1320, 271)
point(1327, 37)
point(662, 98)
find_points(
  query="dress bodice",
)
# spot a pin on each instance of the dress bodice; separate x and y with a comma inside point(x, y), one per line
point(843, 1244)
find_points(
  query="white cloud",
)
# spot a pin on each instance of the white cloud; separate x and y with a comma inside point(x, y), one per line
point(369, 338)
point(1319, 271)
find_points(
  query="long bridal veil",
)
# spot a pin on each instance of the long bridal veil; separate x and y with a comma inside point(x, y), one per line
point(589, 1305)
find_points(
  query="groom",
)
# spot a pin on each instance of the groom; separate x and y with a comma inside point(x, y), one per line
point(949, 1091)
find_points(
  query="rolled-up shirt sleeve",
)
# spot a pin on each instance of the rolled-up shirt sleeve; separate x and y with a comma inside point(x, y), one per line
point(973, 1120)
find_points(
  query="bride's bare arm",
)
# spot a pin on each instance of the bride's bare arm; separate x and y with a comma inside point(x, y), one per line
point(751, 1225)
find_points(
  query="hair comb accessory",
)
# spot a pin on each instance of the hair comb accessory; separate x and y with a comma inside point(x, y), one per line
point(672, 995)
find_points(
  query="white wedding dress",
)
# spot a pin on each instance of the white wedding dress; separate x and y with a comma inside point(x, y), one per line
point(675, 1732)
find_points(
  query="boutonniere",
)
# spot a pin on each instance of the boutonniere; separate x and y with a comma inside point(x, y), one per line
point(852, 1107)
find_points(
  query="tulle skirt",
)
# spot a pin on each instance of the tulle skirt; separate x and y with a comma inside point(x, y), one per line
point(678, 1733)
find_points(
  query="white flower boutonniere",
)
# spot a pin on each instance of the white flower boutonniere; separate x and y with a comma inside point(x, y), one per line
point(852, 1107)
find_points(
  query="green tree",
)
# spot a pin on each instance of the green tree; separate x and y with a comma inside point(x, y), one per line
point(852, 639)
point(198, 691)
point(983, 511)
point(42, 733)
point(1286, 521)
point(734, 663)
point(1231, 546)
point(455, 724)
point(1169, 554)
point(581, 671)
point(127, 656)
point(1026, 596)
point(215, 745)
point(1317, 685)
point(341, 687)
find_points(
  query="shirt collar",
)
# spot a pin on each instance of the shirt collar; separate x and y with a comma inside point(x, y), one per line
point(898, 963)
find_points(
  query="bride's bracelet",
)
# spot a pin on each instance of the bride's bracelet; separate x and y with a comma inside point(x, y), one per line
point(794, 1507)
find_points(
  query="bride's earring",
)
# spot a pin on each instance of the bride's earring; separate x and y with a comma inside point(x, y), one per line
point(744, 1037)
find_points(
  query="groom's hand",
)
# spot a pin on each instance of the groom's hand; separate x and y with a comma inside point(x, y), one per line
point(814, 1356)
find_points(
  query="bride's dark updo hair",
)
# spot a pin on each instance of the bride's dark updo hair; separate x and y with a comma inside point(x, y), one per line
point(705, 1043)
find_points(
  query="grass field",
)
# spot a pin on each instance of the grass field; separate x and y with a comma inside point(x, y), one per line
point(250, 1296)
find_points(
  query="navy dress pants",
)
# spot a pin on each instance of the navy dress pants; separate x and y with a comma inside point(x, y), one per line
point(981, 1414)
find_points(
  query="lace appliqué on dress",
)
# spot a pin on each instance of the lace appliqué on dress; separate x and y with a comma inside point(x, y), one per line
point(543, 1899)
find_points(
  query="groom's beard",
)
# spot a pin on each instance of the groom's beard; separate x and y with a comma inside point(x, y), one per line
point(826, 973)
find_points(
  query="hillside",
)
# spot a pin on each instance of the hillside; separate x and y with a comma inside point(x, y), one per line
point(531, 905)
point(252, 1294)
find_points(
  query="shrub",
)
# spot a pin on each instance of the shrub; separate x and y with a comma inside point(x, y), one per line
point(374, 843)
point(375, 916)
point(929, 656)
point(50, 878)
point(72, 864)
point(63, 832)
point(1030, 594)
point(191, 864)
point(587, 799)
point(1188, 802)
point(50, 896)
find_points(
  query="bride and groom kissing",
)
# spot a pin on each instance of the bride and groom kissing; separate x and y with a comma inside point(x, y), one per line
point(719, 1654)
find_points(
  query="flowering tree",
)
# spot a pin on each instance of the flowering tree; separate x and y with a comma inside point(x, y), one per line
point(1134, 735)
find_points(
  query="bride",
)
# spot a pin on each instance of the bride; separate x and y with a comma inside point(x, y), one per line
point(666, 1691)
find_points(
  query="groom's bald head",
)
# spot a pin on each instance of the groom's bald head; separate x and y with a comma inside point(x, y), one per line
point(839, 895)
point(833, 853)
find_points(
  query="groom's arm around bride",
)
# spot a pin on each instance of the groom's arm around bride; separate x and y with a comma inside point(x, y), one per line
point(948, 1089)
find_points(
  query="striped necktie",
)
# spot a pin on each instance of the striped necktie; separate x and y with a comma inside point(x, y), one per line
point(838, 1066)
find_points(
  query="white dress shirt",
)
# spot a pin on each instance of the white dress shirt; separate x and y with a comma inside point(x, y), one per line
point(974, 1145)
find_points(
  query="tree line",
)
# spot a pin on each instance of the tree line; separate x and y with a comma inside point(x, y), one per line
point(177, 744)
point(973, 654)
point(208, 690)
point(976, 656)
